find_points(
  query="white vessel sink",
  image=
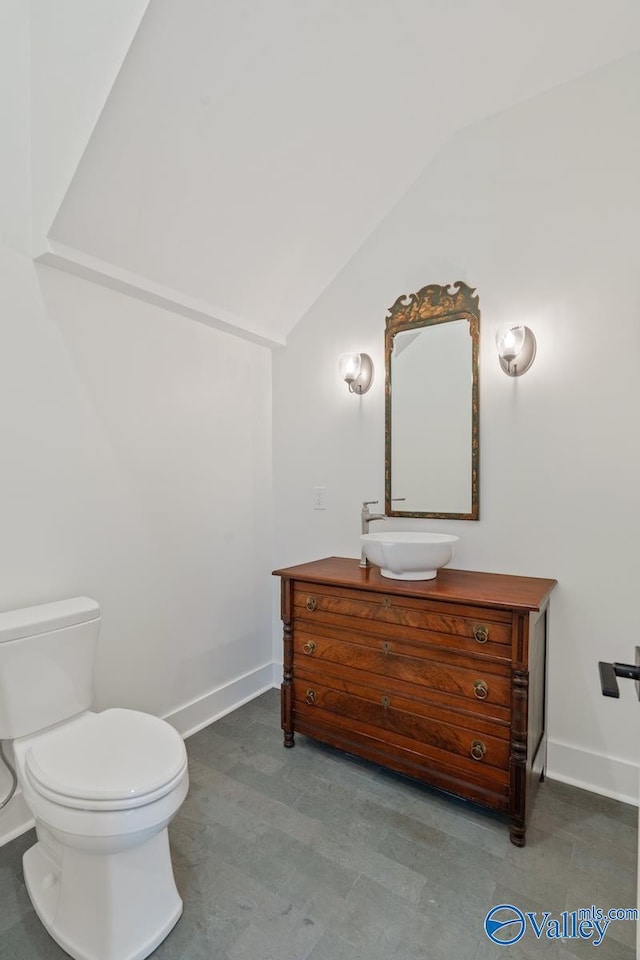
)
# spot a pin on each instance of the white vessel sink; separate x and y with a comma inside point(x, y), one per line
point(405, 555)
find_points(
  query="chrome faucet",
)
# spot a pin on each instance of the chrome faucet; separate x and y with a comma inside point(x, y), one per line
point(366, 520)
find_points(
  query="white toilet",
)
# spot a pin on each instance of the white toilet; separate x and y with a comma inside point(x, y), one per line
point(102, 788)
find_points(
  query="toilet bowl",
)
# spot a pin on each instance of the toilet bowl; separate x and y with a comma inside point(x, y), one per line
point(102, 788)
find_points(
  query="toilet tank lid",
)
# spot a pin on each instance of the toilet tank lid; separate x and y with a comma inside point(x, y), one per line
point(32, 621)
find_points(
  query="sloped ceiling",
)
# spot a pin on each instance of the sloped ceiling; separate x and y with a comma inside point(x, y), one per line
point(248, 148)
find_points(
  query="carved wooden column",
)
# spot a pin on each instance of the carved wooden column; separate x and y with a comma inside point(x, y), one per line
point(286, 701)
point(518, 756)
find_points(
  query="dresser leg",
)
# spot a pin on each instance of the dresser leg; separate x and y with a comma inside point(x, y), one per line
point(286, 688)
point(286, 713)
point(517, 833)
point(518, 757)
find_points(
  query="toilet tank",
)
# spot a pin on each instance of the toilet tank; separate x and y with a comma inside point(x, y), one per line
point(46, 664)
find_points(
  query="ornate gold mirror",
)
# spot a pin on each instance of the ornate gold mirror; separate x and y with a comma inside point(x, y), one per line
point(432, 421)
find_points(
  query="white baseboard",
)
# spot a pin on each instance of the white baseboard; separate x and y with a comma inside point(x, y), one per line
point(16, 817)
point(596, 772)
point(193, 716)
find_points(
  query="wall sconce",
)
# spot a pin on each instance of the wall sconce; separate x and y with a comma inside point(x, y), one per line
point(356, 369)
point(516, 348)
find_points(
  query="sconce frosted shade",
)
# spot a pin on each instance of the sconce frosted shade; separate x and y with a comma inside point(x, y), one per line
point(516, 348)
point(349, 364)
point(356, 369)
point(510, 341)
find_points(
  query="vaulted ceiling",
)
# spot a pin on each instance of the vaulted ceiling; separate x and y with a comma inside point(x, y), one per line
point(243, 150)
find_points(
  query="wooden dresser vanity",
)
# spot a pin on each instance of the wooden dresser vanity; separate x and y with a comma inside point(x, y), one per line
point(442, 680)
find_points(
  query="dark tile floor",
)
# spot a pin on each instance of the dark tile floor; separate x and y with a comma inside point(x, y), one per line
point(306, 853)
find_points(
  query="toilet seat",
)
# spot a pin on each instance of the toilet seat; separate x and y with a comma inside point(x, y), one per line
point(114, 760)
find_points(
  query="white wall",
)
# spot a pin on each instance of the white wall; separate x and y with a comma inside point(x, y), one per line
point(77, 49)
point(537, 207)
point(136, 459)
point(136, 468)
point(14, 123)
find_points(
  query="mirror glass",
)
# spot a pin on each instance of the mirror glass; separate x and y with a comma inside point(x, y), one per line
point(431, 348)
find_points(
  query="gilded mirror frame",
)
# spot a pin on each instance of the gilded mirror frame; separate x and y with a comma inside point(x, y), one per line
point(431, 305)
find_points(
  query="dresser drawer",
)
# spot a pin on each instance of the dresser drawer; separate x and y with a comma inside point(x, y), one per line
point(480, 687)
point(474, 629)
point(392, 720)
point(400, 694)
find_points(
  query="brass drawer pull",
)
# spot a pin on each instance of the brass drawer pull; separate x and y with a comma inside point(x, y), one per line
point(309, 647)
point(480, 689)
point(478, 750)
point(311, 696)
point(385, 701)
point(386, 602)
point(481, 633)
point(386, 647)
point(312, 603)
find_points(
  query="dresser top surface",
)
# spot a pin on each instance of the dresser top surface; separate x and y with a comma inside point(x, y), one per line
point(455, 586)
